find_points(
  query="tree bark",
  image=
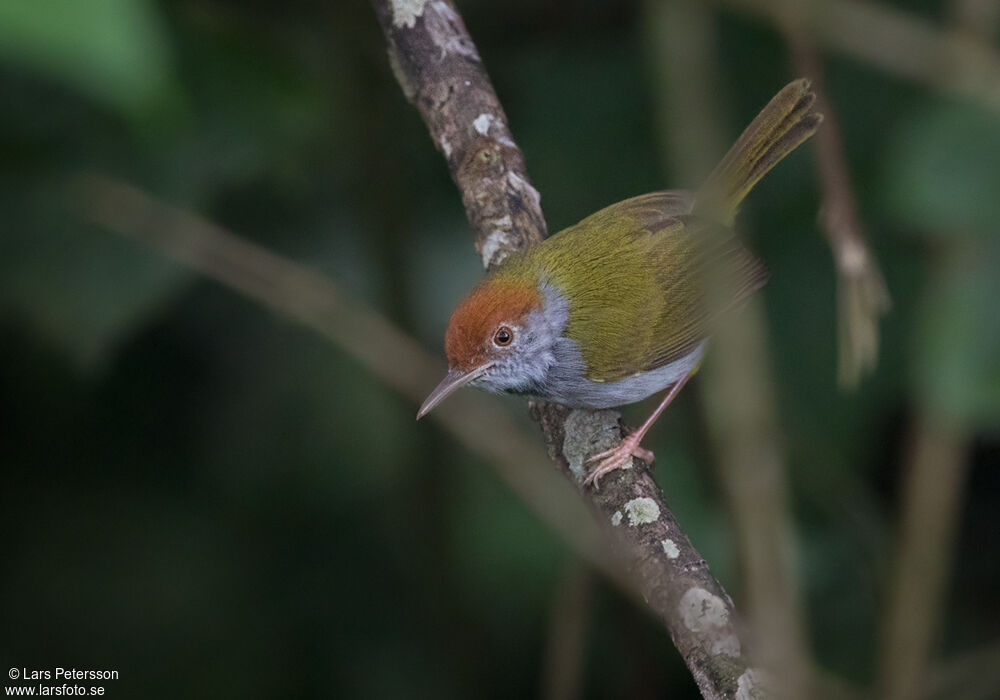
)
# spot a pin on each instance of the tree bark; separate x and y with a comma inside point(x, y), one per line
point(440, 71)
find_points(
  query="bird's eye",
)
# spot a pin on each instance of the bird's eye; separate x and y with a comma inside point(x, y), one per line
point(503, 336)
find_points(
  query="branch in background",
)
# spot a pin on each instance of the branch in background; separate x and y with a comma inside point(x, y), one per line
point(829, 686)
point(978, 20)
point(862, 297)
point(562, 678)
point(972, 23)
point(974, 675)
point(737, 384)
point(931, 502)
point(396, 359)
point(440, 71)
point(933, 485)
point(892, 40)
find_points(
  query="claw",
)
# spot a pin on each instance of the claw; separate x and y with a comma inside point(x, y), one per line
point(618, 457)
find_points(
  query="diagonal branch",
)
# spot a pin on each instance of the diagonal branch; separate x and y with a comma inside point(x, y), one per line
point(439, 69)
point(396, 359)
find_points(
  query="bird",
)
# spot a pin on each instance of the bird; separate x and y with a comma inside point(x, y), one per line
point(622, 304)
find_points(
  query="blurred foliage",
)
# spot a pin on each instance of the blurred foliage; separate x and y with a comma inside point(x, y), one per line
point(113, 50)
point(941, 174)
point(220, 505)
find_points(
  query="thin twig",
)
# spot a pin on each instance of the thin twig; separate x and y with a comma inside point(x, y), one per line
point(862, 296)
point(439, 69)
point(737, 384)
point(892, 40)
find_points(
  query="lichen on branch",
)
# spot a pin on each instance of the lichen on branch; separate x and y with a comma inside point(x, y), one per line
point(441, 73)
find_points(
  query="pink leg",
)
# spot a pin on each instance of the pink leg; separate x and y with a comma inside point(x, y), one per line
point(620, 456)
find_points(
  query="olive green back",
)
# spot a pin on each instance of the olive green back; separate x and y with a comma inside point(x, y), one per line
point(641, 279)
point(646, 280)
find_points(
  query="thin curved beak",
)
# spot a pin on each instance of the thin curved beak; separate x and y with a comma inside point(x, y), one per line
point(455, 379)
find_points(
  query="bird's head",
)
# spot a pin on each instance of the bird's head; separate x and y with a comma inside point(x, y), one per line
point(499, 338)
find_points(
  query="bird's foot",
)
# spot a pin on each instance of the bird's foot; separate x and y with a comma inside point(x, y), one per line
point(617, 457)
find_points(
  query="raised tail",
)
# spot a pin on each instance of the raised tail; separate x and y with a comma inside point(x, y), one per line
point(786, 121)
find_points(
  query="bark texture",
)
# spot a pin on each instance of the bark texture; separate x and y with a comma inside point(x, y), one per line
point(439, 69)
point(441, 73)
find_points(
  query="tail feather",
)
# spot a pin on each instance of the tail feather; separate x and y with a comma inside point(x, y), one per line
point(786, 121)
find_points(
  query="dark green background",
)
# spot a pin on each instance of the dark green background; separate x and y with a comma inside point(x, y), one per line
point(219, 504)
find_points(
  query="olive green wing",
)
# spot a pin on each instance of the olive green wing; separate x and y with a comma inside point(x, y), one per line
point(646, 282)
point(702, 274)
